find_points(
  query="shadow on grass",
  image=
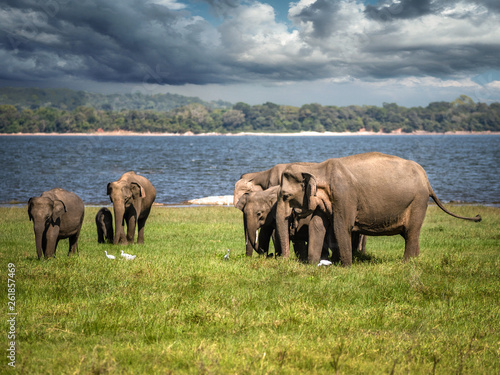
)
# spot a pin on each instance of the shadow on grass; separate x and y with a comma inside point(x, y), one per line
point(363, 257)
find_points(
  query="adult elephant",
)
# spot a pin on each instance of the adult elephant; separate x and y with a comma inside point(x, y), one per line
point(372, 193)
point(56, 214)
point(132, 196)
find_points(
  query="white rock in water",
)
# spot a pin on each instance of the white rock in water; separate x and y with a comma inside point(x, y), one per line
point(221, 200)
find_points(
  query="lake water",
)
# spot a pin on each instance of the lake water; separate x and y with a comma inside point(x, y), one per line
point(460, 168)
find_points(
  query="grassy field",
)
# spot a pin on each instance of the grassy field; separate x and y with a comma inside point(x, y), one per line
point(179, 308)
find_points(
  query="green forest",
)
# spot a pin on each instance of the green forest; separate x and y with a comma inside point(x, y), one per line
point(67, 111)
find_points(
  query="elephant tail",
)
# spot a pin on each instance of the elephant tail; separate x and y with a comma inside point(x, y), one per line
point(477, 218)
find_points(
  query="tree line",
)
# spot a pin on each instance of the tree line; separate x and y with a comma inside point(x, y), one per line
point(460, 115)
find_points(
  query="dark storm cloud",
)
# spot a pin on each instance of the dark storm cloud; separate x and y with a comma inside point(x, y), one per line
point(107, 40)
point(404, 9)
point(222, 7)
point(139, 41)
point(390, 10)
point(493, 5)
point(319, 14)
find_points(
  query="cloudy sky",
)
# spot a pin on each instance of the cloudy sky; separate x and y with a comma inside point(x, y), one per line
point(337, 52)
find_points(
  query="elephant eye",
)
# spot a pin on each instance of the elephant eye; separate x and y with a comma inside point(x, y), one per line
point(259, 213)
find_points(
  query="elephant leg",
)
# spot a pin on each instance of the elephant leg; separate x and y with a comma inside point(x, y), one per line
point(411, 232)
point(333, 245)
point(43, 247)
point(277, 245)
point(344, 241)
point(358, 243)
point(300, 249)
point(325, 252)
point(412, 246)
point(264, 238)
point(73, 244)
point(362, 244)
point(141, 223)
point(100, 232)
point(131, 222)
point(51, 242)
point(317, 233)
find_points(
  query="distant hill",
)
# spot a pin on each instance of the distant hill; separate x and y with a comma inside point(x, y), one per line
point(65, 99)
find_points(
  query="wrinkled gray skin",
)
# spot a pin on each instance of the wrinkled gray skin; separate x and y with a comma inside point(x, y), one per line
point(313, 237)
point(104, 224)
point(259, 212)
point(56, 214)
point(373, 194)
point(258, 181)
point(132, 196)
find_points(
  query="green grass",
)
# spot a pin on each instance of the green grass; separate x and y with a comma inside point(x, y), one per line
point(179, 308)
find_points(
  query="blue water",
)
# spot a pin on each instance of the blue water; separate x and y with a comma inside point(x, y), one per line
point(460, 168)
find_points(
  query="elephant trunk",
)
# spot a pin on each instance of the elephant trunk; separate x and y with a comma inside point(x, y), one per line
point(250, 237)
point(119, 223)
point(39, 234)
point(283, 213)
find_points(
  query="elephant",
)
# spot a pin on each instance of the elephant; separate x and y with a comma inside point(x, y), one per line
point(132, 197)
point(104, 224)
point(372, 193)
point(258, 182)
point(56, 214)
point(306, 234)
point(259, 212)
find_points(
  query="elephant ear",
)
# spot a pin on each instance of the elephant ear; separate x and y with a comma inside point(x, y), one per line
point(108, 189)
point(137, 190)
point(311, 187)
point(242, 202)
point(58, 210)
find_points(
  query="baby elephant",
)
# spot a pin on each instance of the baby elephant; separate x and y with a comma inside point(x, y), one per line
point(104, 223)
point(56, 214)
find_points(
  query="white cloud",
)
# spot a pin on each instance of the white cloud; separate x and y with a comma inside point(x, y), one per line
point(170, 4)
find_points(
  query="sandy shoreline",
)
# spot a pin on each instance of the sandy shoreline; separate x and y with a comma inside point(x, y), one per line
point(306, 134)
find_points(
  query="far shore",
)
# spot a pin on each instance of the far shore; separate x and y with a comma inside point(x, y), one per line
point(306, 134)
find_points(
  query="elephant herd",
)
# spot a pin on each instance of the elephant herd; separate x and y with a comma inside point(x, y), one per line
point(326, 209)
point(58, 214)
point(333, 205)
